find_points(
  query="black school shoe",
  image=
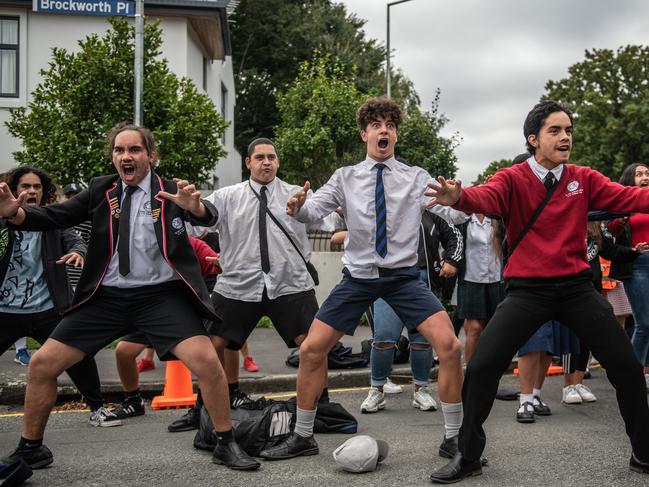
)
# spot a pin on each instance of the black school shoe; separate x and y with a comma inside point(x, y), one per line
point(449, 448)
point(541, 409)
point(527, 414)
point(456, 470)
point(39, 457)
point(294, 446)
point(232, 456)
point(638, 465)
point(191, 420)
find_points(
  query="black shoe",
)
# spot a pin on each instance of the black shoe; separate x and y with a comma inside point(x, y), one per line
point(294, 446)
point(456, 470)
point(240, 399)
point(232, 456)
point(191, 420)
point(14, 474)
point(449, 448)
point(637, 465)
point(129, 408)
point(541, 409)
point(39, 457)
point(527, 415)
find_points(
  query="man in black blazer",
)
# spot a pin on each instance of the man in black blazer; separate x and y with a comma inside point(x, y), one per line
point(140, 274)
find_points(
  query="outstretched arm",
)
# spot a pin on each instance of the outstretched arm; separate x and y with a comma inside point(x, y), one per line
point(188, 198)
point(446, 193)
point(296, 201)
point(10, 206)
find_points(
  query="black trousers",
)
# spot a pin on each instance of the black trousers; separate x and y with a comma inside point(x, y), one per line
point(575, 303)
point(39, 326)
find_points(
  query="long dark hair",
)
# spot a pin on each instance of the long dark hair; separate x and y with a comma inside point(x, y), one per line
point(628, 175)
point(49, 188)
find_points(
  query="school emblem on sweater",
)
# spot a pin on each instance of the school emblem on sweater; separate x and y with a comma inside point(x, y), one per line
point(572, 186)
point(573, 189)
point(177, 223)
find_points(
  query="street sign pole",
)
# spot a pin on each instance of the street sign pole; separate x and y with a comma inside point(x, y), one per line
point(139, 60)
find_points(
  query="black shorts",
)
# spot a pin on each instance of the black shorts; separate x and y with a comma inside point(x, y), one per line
point(164, 313)
point(291, 315)
point(38, 326)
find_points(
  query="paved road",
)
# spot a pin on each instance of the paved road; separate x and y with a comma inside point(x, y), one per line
point(578, 445)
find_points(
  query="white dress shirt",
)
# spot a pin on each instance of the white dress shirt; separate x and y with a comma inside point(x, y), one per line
point(541, 172)
point(352, 188)
point(147, 265)
point(482, 264)
point(240, 258)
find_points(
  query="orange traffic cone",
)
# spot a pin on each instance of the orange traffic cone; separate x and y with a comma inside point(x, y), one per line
point(178, 391)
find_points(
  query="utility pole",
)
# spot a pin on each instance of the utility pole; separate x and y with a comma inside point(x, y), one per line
point(139, 61)
point(388, 81)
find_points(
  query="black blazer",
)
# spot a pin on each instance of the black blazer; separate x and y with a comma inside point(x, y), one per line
point(100, 204)
point(55, 244)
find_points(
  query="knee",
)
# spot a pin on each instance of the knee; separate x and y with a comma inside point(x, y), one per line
point(451, 350)
point(382, 345)
point(312, 353)
point(40, 367)
point(127, 351)
point(206, 363)
point(419, 346)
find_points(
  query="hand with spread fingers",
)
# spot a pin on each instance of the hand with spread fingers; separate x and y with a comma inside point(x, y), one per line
point(187, 197)
point(72, 258)
point(445, 192)
point(8, 204)
point(294, 203)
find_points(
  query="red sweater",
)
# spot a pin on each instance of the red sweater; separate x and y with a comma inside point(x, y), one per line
point(555, 246)
point(202, 250)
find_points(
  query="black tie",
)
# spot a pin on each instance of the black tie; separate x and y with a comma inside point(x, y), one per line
point(263, 236)
point(549, 181)
point(125, 232)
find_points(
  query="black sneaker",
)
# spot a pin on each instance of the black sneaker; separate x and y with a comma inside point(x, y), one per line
point(39, 457)
point(129, 408)
point(191, 420)
point(294, 446)
point(240, 399)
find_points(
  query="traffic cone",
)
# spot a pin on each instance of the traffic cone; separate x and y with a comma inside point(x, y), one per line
point(178, 391)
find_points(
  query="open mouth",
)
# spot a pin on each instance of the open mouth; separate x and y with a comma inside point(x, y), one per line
point(644, 183)
point(383, 143)
point(563, 148)
point(31, 200)
point(128, 169)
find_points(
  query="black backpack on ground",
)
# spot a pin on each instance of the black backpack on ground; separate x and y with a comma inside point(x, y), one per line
point(340, 357)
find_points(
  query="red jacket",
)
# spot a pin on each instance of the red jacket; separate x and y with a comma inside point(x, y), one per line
point(202, 250)
point(555, 246)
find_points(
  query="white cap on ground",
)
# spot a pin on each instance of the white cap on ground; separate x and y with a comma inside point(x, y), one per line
point(361, 453)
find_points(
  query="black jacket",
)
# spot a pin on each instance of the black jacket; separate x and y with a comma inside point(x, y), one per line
point(434, 230)
point(54, 245)
point(100, 204)
point(619, 252)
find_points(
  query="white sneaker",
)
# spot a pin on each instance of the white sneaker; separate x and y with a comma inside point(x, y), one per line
point(374, 402)
point(585, 393)
point(104, 418)
point(422, 399)
point(571, 395)
point(391, 388)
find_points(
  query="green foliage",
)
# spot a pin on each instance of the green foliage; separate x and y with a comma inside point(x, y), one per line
point(271, 39)
point(318, 133)
point(421, 144)
point(609, 94)
point(491, 169)
point(264, 322)
point(83, 94)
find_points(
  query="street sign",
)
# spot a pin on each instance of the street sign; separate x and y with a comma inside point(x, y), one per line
point(106, 8)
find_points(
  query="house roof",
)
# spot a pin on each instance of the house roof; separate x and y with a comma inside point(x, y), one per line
point(208, 18)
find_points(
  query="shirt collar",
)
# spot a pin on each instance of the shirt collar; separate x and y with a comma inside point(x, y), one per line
point(144, 185)
point(541, 171)
point(389, 163)
point(269, 187)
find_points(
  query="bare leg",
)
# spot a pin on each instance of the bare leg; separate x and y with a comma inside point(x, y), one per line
point(245, 352)
point(45, 366)
point(312, 372)
point(148, 353)
point(438, 330)
point(473, 329)
point(299, 340)
point(198, 354)
point(528, 371)
point(125, 355)
point(545, 361)
point(231, 365)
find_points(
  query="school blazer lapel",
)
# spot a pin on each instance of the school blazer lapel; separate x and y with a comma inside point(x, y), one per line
point(113, 199)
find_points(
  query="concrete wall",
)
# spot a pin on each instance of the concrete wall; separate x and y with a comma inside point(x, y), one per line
point(330, 269)
point(40, 32)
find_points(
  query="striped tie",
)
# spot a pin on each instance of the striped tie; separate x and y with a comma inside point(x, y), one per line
point(379, 206)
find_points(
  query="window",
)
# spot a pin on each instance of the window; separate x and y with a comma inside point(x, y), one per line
point(224, 108)
point(9, 57)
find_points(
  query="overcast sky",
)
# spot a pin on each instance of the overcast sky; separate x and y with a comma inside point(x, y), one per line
point(491, 59)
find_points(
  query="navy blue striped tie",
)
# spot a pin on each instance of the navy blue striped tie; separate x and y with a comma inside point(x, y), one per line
point(379, 206)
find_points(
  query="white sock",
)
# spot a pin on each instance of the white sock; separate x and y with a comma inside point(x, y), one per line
point(304, 422)
point(526, 398)
point(453, 415)
point(536, 392)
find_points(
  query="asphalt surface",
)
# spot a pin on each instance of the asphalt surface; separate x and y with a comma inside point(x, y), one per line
point(576, 446)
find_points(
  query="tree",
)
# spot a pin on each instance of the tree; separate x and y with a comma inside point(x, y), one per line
point(421, 143)
point(609, 94)
point(491, 169)
point(317, 133)
point(83, 94)
point(271, 39)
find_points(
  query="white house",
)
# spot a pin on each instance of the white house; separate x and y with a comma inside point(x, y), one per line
point(196, 42)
